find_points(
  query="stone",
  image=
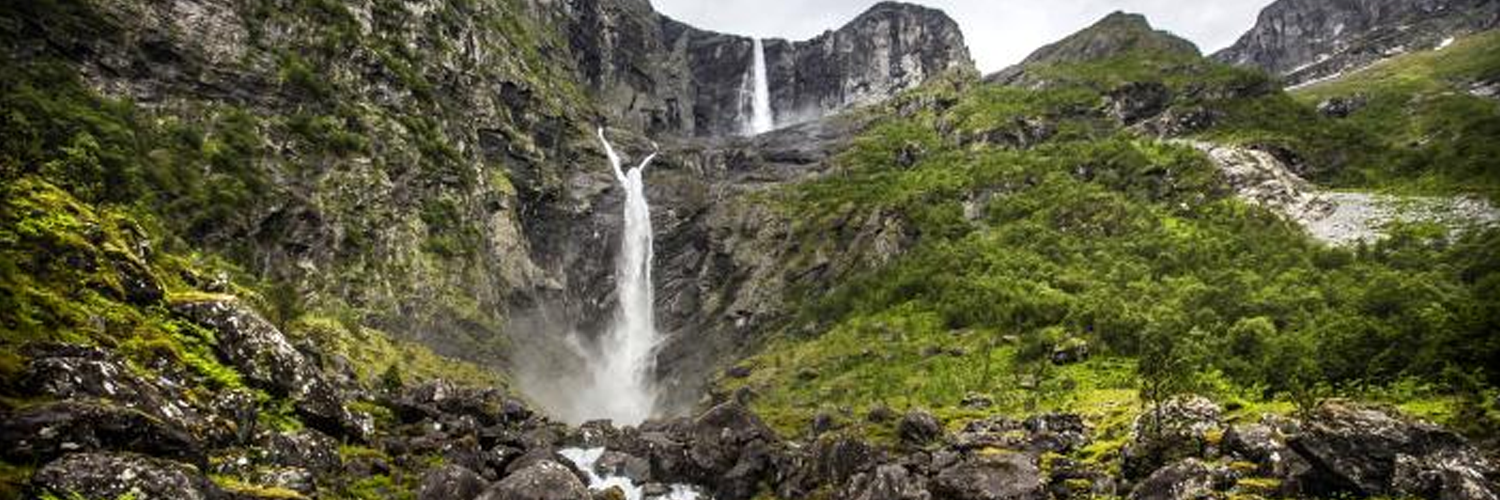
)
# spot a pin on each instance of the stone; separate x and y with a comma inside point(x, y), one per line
point(1070, 351)
point(919, 428)
point(991, 476)
point(451, 482)
point(308, 449)
point(1179, 428)
point(542, 480)
point(1362, 450)
point(880, 414)
point(1342, 106)
point(43, 432)
point(1189, 479)
point(1137, 101)
point(122, 475)
point(886, 482)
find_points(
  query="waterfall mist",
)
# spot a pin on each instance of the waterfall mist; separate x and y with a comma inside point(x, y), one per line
point(612, 376)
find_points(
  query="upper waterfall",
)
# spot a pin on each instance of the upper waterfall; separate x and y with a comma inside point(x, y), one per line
point(762, 119)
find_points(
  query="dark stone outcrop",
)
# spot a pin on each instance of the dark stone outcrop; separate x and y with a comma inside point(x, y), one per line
point(1189, 479)
point(1303, 40)
point(122, 475)
point(996, 476)
point(47, 431)
point(1364, 451)
point(919, 428)
point(1179, 428)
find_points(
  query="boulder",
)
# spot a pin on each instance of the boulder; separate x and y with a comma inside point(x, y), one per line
point(260, 352)
point(74, 372)
point(121, 475)
point(44, 432)
point(1342, 106)
point(835, 459)
point(1055, 432)
point(307, 449)
point(1189, 479)
point(1362, 450)
point(541, 480)
point(1137, 101)
point(1179, 428)
point(990, 476)
point(887, 482)
point(919, 428)
point(451, 482)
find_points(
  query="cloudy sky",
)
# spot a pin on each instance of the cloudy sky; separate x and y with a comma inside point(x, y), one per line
point(999, 32)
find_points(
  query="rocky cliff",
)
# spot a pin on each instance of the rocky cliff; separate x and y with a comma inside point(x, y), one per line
point(1305, 40)
point(661, 76)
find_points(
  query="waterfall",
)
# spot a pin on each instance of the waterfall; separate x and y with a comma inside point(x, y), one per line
point(761, 117)
point(622, 389)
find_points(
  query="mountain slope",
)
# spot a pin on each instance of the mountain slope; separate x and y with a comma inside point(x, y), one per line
point(1305, 40)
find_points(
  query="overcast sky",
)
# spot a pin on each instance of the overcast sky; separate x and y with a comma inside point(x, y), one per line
point(999, 32)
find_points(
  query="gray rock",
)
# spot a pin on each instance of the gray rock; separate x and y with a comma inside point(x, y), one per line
point(919, 428)
point(451, 482)
point(999, 476)
point(1304, 40)
point(118, 475)
point(1366, 451)
point(308, 449)
point(887, 482)
point(1178, 429)
point(43, 432)
point(542, 480)
point(1189, 479)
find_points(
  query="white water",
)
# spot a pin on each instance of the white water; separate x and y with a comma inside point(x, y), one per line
point(620, 386)
point(585, 459)
point(762, 119)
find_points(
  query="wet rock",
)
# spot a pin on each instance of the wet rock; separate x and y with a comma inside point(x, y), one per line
point(919, 428)
point(613, 463)
point(451, 482)
point(610, 493)
point(887, 482)
point(990, 476)
point(1366, 451)
point(1189, 479)
point(1179, 428)
point(542, 480)
point(122, 475)
point(44, 432)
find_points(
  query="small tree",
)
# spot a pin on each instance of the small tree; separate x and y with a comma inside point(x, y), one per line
point(1165, 366)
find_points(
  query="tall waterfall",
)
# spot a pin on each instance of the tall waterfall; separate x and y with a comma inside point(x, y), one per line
point(621, 388)
point(761, 117)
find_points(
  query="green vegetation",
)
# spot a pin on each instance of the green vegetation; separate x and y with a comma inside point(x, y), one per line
point(1419, 106)
point(1131, 246)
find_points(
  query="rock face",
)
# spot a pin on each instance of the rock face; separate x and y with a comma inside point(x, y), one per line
point(661, 76)
point(122, 475)
point(1304, 40)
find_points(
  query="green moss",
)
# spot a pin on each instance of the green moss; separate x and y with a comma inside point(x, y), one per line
point(234, 485)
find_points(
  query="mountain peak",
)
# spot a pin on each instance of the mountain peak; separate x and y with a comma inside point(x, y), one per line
point(1115, 34)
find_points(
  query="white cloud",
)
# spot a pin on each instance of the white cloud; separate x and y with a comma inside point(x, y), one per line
point(999, 32)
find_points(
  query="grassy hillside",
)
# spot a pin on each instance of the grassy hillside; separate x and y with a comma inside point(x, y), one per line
point(1103, 238)
point(1420, 107)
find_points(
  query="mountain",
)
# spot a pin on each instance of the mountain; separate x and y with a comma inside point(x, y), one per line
point(365, 249)
point(664, 77)
point(1305, 40)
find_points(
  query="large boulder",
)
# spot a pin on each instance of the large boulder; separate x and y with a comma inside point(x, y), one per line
point(451, 482)
point(40, 433)
point(308, 449)
point(1178, 428)
point(991, 476)
point(121, 475)
point(542, 480)
point(1362, 450)
point(260, 352)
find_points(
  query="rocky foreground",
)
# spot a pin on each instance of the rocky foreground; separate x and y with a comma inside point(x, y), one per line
point(105, 432)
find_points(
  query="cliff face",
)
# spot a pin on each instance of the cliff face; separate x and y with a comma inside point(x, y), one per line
point(1305, 40)
point(664, 77)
